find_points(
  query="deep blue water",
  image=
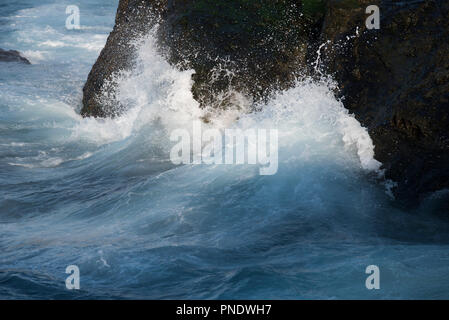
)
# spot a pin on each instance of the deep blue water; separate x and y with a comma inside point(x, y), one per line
point(103, 194)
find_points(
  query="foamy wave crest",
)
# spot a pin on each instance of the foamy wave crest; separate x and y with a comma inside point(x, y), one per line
point(313, 123)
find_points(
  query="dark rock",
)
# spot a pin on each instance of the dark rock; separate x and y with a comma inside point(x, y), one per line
point(396, 81)
point(264, 41)
point(12, 56)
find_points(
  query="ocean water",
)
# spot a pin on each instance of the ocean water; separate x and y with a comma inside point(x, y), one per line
point(103, 194)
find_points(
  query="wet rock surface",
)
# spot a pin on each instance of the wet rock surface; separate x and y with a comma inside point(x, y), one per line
point(12, 56)
point(396, 81)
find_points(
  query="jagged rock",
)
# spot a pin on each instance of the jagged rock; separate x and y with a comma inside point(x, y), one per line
point(12, 56)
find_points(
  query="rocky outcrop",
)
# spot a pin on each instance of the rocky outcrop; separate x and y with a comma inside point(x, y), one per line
point(261, 44)
point(12, 56)
point(395, 79)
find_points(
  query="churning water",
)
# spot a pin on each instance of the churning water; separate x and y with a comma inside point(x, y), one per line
point(104, 195)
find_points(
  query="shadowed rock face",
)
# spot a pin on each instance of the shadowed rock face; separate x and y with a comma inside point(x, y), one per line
point(395, 80)
point(12, 56)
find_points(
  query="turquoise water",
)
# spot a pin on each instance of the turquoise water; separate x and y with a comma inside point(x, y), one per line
point(104, 195)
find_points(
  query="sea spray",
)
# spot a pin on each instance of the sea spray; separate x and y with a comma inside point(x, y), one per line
point(157, 91)
point(103, 194)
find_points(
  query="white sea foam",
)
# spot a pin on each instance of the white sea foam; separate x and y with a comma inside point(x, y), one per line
point(42, 36)
point(35, 56)
point(308, 116)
